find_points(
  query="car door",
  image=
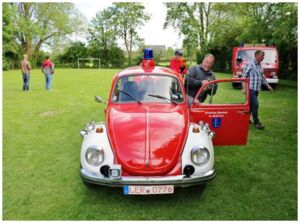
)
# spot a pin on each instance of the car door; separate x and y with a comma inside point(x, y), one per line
point(227, 111)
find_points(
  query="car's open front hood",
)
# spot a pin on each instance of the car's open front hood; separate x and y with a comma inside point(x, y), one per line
point(147, 140)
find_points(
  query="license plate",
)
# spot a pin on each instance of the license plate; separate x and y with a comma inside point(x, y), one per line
point(144, 190)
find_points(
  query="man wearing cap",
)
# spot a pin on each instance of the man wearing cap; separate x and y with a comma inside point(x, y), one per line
point(177, 63)
point(199, 75)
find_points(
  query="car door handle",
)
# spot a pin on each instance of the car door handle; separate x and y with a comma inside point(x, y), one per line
point(243, 112)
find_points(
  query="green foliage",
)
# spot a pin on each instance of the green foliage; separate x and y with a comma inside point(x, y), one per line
point(112, 56)
point(218, 27)
point(170, 52)
point(127, 18)
point(5, 64)
point(10, 48)
point(72, 53)
point(101, 31)
point(41, 157)
point(32, 25)
point(193, 21)
point(9, 44)
point(103, 40)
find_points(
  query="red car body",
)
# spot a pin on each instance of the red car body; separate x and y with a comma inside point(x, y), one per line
point(151, 141)
point(153, 131)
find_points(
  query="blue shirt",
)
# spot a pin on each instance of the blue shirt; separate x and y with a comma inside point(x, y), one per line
point(255, 73)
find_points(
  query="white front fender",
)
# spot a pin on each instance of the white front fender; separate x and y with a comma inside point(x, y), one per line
point(100, 140)
point(198, 139)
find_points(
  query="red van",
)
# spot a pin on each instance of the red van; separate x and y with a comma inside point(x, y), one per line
point(244, 54)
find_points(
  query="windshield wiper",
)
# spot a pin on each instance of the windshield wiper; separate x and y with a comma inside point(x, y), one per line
point(131, 96)
point(162, 97)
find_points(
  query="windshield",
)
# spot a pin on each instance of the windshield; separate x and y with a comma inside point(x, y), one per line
point(148, 88)
point(248, 56)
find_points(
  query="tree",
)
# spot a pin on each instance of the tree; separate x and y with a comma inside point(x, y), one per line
point(276, 24)
point(102, 37)
point(101, 31)
point(42, 23)
point(218, 27)
point(127, 18)
point(285, 37)
point(170, 52)
point(10, 48)
point(72, 53)
point(191, 20)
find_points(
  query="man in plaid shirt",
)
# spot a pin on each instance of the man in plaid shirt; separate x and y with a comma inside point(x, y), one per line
point(255, 73)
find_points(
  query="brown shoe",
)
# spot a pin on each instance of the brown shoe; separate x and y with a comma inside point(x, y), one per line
point(250, 122)
point(259, 126)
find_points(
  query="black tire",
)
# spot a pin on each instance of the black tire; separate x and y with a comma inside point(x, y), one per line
point(89, 185)
point(237, 85)
point(273, 86)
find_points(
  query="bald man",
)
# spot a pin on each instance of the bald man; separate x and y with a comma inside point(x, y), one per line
point(199, 75)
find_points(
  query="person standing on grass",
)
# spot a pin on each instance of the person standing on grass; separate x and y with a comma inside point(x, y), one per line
point(254, 72)
point(48, 70)
point(199, 75)
point(25, 69)
point(177, 63)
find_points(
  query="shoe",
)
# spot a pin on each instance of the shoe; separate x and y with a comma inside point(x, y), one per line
point(250, 122)
point(259, 126)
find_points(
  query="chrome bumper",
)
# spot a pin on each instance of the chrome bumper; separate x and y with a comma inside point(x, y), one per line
point(180, 180)
point(272, 80)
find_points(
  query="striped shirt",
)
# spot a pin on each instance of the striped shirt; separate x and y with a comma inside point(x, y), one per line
point(255, 73)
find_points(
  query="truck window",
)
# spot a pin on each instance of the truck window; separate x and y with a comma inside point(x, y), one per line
point(248, 55)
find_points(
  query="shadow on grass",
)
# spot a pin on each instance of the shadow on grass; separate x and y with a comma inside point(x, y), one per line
point(20, 90)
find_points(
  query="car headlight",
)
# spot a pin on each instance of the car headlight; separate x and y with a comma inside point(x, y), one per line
point(199, 155)
point(94, 156)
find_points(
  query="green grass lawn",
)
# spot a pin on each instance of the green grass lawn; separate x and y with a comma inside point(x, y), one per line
point(41, 158)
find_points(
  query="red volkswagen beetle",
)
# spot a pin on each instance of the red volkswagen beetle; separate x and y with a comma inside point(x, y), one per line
point(154, 140)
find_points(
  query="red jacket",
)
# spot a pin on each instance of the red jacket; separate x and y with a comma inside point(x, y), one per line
point(47, 63)
point(48, 67)
point(175, 65)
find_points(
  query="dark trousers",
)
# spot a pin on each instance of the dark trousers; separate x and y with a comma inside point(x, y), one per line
point(26, 78)
point(254, 106)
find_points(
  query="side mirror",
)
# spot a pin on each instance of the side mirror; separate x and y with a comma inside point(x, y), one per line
point(100, 100)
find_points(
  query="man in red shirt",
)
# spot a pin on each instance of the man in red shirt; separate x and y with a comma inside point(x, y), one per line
point(177, 63)
point(48, 70)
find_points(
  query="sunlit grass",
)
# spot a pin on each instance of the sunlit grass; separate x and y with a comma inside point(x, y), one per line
point(41, 147)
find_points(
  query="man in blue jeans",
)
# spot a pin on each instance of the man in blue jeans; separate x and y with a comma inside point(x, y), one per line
point(48, 70)
point(254, 72)
point(25, 69)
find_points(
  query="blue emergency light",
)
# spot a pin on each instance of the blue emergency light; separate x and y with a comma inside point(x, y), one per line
point(148, 54)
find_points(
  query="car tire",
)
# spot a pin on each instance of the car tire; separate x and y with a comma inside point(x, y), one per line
point(89, 185)
point(201, 187)
point(237, 85)
point(273, 86)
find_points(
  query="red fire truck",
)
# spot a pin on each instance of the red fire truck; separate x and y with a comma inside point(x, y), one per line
point(245, 53)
